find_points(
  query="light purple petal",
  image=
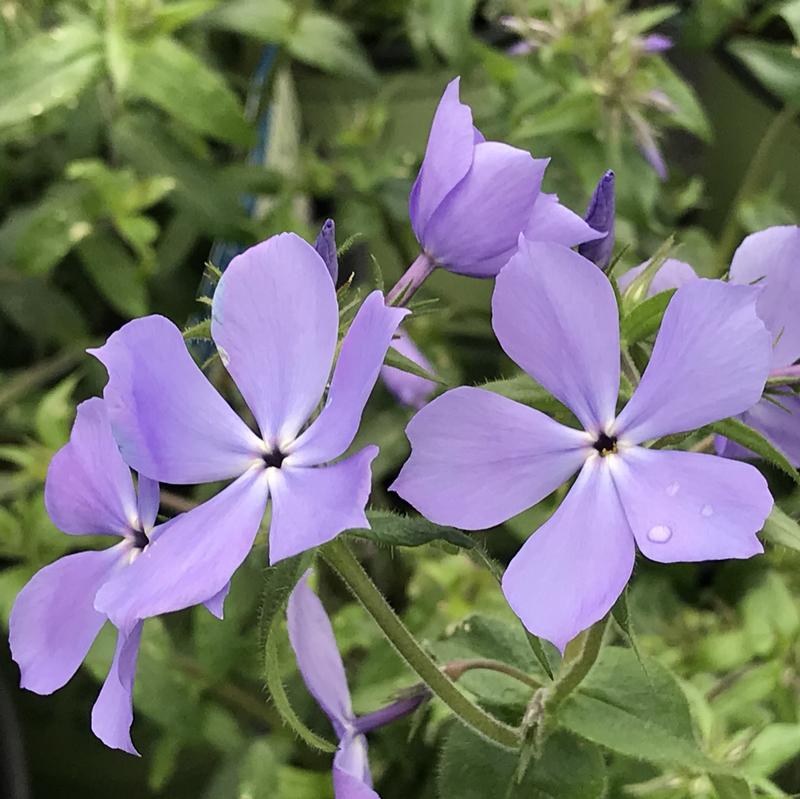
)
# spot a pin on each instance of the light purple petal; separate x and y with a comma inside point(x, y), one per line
point(555, 314)
point(351, 775)
point(53, 622)
point(448, 157)
point(656, 43)
point(276, 321)
point(553, 222)
point(357, 368)
point(148, 497)
point(481, 219)
point(89, 489)
point(169, 422)
point(310, 506)
point(772, 257)
point(409, 389)
point(317, 653)
point(781, 425)
point(216, 605)
point(672, 275)
point(570, 572)
point(112, 714)
point(193, 559)
point(688, 506)
point(478, 459)
point(710, 361)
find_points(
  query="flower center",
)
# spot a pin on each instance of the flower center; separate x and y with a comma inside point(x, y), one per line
point(274, 458)
point(139, 539)
point(605, 444)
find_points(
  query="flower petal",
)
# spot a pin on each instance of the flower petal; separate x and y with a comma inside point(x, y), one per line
point(672, 275)
point(480, 220)
point(310, 506)
point(317, 653)
point(478, 459)
point(555, 314)
point(216, 605)
point(688, 506)
point(448, 157)
point(148, 499)
point(169, 422)
point(570, 572)
point(710, 361)
point(553, 222)
point(53, 622)
point(276, 322)
point(351, 775)
point(359, 364)
point(409, 389)
point(193, 559)
point(112, 714)
point(772, 256)
point(780, 424)
point(89, 489)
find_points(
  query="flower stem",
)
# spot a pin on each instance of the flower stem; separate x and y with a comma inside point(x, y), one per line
point(412, 279)
point(457, 668)
point(339, 556)
point(579, 658)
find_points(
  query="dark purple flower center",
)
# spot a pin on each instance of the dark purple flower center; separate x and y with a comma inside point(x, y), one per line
point(605, 444)
point(140, 539)
point(274, 458)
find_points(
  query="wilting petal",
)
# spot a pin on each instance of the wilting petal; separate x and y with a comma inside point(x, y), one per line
point(192, 560)
point(351, 776)
point(169, 421)
point(310, 506)
point(317, 653)
point(601, 216)
point(359, 364)
point(409, 389)
point(553, 222)
point(772, 257)
point(325, 245)
point(112, 714)
point(276, 320)
point(448, 157)
point(672, 275)
point(53, 622)
point(779, 423)
point(89, 489)
point(148, 497)
point(688, 506)
point(570, 572)
point(555, 314)
point(710, 361)
point(481, 219)
point(478, 459)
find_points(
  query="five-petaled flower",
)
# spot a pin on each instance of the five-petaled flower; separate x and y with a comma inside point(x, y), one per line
point(89, 491)
point(275, 322)
point(479, 458)
point(320, 664)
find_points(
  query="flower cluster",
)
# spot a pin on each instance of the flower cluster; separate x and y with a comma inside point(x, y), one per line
point(477, 458)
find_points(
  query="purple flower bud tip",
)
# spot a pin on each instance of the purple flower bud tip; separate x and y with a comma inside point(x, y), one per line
point(600, 215)
point(325, 245)
point(656, 43)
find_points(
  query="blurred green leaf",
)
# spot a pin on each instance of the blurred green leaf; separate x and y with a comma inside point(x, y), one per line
point(790, 11)
point(772, 747)
point(689, 114)
point(400, 361)
point(575, 111)
point(777, 66)
point(730, 787)
point(55, 412)
point(781, 529)
point(394, 529)
point(267, 20)
point(770, 615)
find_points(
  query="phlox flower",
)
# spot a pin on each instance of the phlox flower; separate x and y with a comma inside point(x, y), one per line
point(479, 458)
point(601, 216)
point(88, 491)
point(321, 667)
point(409, 389)
point(275, 322)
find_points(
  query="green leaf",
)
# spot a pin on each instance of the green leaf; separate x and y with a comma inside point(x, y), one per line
point(577, 110)
point(449, 26)
point(325, 42)
point(267, 20)
point(731, 787)
point(645, 318)
point(774, 746)
point(173, 78)
point(258, 772)
point(50, 70)
point(636, 292)
point(777, 66)
point(472, 768)
point(782, 529)
point(689, 114)
point(397, 530)
point(404, 364)
point(522, 388)
point(791, 13)
point(640, 714)
point(770, 617)
point(736, 430)
point(174, 15)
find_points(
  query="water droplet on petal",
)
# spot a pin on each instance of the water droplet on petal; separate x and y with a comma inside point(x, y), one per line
point(660, 534)
point(707, 511)
point(673, 489)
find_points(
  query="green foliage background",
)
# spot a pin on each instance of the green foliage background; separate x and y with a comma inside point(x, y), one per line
point(124, 142)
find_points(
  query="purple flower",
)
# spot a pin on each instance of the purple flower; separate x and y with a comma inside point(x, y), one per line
point(479, 458)
point(89, 491)
point(325, 245)
point(771, 259)
point(409, 389)
point(656, 43)
point(322, 669)
point(275, 322)
point(672, 274)
point(600, 216)
point(553, 222)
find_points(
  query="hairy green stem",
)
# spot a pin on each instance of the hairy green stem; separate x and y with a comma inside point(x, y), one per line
point(579, 658)
point(339, 556)
point(455, 669)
